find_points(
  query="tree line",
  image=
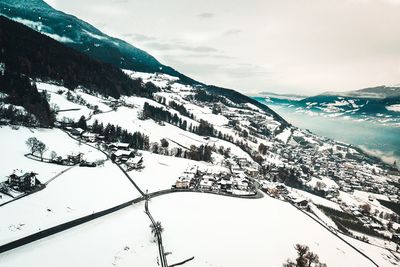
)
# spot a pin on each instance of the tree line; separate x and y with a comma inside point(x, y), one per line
point(160, 114)
point(115, 133)
point(21, 91)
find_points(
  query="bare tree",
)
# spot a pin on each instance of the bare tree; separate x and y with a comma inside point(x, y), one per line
point(32, 143)
point(53, 155)
point(41, 148)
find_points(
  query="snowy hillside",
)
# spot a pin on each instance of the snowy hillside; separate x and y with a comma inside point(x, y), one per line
point(183, 139)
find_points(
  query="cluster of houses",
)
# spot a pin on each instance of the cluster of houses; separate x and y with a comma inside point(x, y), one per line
point(280, 191)
point(235, 182)
point(312, 157)
point(22, 183)
point(322, 157)
point(121, 153)
point(71, 159)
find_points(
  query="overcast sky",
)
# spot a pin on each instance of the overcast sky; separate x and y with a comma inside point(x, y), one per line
point(296, 46)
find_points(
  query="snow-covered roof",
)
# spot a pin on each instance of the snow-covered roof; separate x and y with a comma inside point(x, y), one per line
point(134, 160)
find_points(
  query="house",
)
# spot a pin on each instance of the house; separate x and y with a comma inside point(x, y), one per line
point(242, 162)
point(206, 184)
point(282, 189)
point(89, 137)
point(122, 146)
point(182, 183)
point(75, 131)
point(24, 182)
point(122, 155)
point(253, 172)
point(118, 146)
point(208, 177)
point(192, 170)
point(240, 184)
point(75, 158)
point(301, 203)
point(237, 170)
point(134, 163)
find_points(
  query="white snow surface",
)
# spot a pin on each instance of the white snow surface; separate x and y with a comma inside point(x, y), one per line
point(76, 193)
point(196, 225)
point(121, 239)
point(284, 135)
point(395, 108)
point(203, 224)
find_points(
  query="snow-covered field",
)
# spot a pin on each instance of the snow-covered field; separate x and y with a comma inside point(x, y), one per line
point(220, 231)
point(78, 192)
point(12, 143)
point(216, 230)
point(120, 239)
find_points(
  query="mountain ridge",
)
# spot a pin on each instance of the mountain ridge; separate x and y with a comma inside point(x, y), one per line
point(375, 92)
point(84, 37)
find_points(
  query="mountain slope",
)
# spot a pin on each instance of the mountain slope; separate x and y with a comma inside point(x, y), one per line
point(27, 52)
point(82, 36)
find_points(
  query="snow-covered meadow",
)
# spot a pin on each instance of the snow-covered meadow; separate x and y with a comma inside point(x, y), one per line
point(216, 230)
point(78, 192)
point(119, 239)
point(220, 231)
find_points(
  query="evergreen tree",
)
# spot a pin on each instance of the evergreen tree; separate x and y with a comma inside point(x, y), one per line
point(82, 123)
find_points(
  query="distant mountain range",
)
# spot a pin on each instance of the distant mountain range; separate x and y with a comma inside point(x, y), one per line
point(378, 92)
point(374, 101)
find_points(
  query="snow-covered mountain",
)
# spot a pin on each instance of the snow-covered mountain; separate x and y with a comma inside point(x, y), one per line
point(82, 36)
point(369, 103)
point(378, 92)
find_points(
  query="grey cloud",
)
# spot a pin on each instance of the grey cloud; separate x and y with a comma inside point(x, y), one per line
point(232, 32)
point(140, 37)
point(233, 71)
point(160, 46)
point(200, 49)
point(164, 46)
point(206, 15)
